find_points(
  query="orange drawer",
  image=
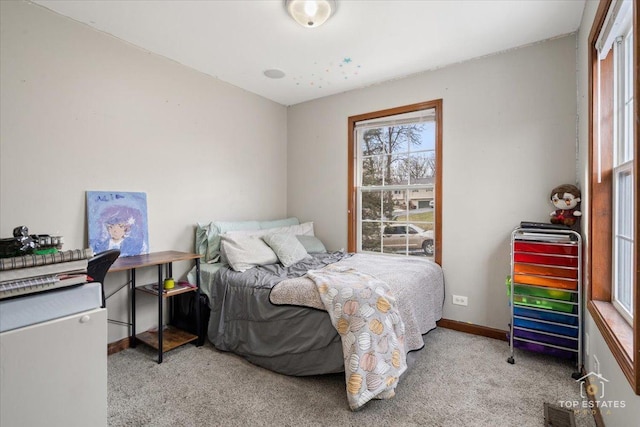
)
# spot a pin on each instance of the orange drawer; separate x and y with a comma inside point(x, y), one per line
point(546, 282)
point(564, 261)
point(545, 270)
point(546, 248)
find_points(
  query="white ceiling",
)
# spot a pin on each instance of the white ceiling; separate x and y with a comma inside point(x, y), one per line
point(364, 43)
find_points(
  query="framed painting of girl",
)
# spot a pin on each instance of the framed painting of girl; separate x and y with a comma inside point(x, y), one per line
point(118, 220)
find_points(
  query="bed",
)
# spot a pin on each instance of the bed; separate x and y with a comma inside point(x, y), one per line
point(276, 298)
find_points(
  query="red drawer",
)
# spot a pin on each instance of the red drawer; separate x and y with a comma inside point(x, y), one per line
point(561, 260)
point(546, 248)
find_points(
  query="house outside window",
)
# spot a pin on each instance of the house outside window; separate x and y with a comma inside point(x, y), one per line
point(394, 181)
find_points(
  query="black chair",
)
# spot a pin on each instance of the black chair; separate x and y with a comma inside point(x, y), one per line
point(98, 267)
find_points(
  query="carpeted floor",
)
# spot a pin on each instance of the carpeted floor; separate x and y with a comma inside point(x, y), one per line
point(457, 380)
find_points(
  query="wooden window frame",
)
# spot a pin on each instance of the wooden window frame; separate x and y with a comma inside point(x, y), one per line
point(352, 218)
point(623, 339)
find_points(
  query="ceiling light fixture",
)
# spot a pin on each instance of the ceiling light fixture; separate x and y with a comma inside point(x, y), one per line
point(310, 13)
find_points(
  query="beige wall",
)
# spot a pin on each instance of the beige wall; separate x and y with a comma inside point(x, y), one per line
point(84, 111)
point(509, 137)
point(618, 388)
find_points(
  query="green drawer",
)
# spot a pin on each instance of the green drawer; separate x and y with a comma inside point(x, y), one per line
point(530, 301)
point(542, 292)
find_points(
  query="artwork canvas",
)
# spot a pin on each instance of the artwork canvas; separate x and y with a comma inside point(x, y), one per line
point(118, 220)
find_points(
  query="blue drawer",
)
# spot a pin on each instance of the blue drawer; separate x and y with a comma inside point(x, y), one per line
point(545, 327)
point(547, 315)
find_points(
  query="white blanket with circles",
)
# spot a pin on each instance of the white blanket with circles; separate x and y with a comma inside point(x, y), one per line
point(416, 283)
point(364, 311)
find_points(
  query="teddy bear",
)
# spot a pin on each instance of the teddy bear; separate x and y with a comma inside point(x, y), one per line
point(566, 199)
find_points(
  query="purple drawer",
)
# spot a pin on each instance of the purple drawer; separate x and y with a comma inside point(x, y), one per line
point(539, 348)
point(544, 338)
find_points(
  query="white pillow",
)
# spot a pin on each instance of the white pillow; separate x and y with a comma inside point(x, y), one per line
point(287, 247)
point(305, 229)
point(245, 252)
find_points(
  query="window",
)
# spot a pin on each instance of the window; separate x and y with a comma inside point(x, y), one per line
point(395, 181)
point(613, 251)
point(623, 160)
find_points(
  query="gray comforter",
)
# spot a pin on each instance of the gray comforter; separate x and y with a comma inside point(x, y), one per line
point(270, 315)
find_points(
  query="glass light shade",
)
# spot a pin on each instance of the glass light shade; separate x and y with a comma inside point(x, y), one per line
point(310, 13)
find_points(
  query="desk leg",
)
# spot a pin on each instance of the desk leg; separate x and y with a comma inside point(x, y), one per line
point(132, 337)
point(160, 325)
point(198, 328)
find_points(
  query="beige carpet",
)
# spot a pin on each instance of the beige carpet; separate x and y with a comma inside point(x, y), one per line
point(457, 380)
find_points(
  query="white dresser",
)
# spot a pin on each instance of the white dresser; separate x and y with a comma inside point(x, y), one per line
point(54, 373)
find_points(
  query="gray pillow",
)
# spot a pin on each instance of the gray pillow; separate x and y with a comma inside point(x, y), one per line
point(288, 249)
point(312, 244)
point(245, 252)
point(208, 235)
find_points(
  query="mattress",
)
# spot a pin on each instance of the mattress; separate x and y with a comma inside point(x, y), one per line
point(292, 338)
point(44, 306)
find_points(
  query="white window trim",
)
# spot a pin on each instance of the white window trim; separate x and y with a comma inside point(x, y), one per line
point(623, 155)
point(622, 276)
point(416, 117)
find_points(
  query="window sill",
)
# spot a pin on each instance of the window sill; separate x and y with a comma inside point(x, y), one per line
point(618, 334)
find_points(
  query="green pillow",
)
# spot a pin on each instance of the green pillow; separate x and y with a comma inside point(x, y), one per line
point(312, 244)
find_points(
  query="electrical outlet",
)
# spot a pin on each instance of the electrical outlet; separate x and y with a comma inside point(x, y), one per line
point(459, 300)
point(596, 365)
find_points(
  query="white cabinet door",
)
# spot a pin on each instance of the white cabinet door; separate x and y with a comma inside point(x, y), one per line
point(55, 373)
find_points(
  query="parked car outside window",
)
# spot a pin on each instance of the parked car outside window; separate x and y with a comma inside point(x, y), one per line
point(408, 236)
